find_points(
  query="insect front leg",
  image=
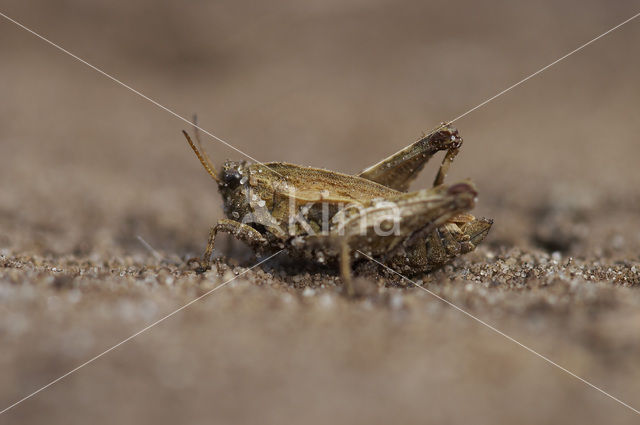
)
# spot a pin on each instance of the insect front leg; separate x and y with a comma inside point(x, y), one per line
point(401, 168)
point(240, 231)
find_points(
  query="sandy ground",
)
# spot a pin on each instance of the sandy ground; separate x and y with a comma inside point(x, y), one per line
point(87, 167)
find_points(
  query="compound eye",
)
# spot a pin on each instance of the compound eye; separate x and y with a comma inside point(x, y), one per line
point(232, 179)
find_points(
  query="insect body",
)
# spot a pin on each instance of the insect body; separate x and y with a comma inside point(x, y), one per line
point(330, 217)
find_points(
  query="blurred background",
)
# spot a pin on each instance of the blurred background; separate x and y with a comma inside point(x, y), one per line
point(86, 166)
point(338, 85)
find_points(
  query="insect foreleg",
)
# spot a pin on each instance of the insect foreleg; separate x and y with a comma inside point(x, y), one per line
point(240, 231)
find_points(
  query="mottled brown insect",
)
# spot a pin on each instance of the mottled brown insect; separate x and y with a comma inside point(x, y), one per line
point(330, 217)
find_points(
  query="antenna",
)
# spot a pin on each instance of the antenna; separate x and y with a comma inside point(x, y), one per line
point(204, 159)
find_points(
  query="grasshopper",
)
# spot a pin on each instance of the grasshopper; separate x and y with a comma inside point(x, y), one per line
point(333, 218)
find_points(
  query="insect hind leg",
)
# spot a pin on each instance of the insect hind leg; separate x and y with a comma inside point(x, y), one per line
point(400, 169)
point(444, 165)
